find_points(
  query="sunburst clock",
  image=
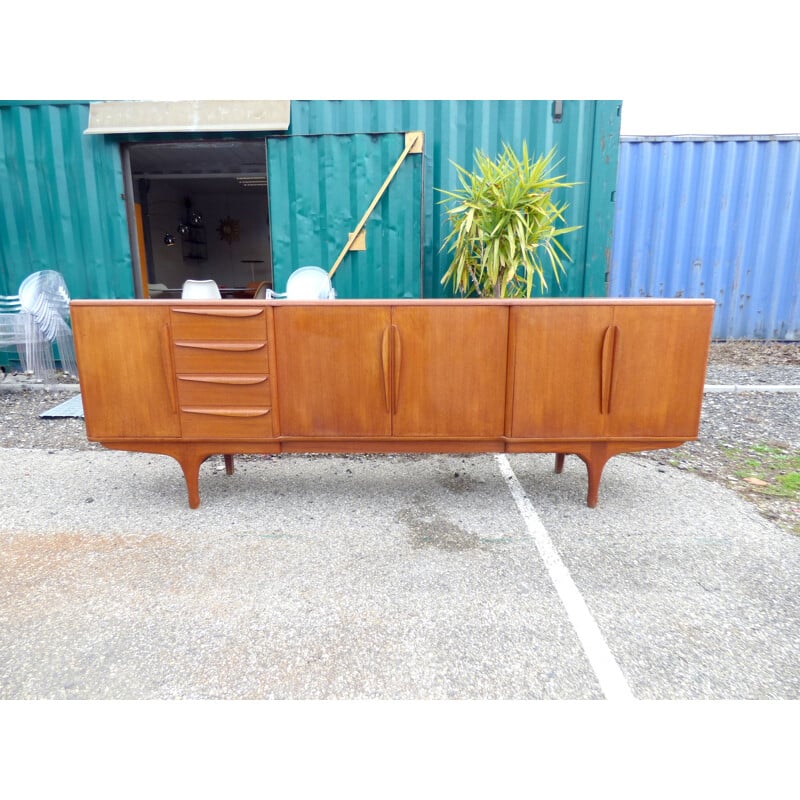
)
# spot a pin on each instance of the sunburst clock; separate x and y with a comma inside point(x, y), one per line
point(228, 230)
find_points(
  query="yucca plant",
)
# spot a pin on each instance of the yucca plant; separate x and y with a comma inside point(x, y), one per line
point(504, 225)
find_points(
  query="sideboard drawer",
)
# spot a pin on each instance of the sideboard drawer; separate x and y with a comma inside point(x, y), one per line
point(211, 422)
point(224, 357)
point(226, 324)
point(216, 390)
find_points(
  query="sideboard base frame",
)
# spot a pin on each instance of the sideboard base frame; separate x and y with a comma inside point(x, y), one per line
point(191, 455)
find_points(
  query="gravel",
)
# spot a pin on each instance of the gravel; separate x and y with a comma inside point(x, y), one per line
point(748, 433)
point(742, 434)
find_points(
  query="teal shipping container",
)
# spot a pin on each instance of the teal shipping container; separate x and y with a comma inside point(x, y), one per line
point(130, 199)
point(62, 201)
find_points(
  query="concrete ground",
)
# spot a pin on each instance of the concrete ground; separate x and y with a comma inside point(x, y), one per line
point(397, 577)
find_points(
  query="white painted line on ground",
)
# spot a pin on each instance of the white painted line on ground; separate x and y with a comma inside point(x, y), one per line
point(711, 388)
point(605, 667)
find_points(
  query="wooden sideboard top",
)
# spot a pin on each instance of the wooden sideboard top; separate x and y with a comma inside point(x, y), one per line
point(546, 301)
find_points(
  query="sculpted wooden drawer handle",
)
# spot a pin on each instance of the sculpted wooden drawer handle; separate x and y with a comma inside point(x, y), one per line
point(227, 412)
point(230, 347)
point(219, 312)
point(228, 380)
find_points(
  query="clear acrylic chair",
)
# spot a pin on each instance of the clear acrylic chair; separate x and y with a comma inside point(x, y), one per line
point(200, 290)
point(19, 333)
point(11, 337)
point(43, 296)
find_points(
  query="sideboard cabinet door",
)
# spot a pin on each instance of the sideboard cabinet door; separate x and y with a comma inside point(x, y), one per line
point(449, 368)
point(333, 370)
point(659, 369)
point(559, 359)
point(126, 371)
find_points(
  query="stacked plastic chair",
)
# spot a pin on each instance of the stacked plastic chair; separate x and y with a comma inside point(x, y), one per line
point(44, 298)
point(19, 331)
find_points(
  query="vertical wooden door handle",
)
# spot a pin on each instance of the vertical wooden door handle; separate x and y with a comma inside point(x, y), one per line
point(385, 365)
point(398, 354)
point(607, 367)
point(166, 356)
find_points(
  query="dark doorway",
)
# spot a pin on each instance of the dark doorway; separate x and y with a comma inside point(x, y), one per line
point(202, 212)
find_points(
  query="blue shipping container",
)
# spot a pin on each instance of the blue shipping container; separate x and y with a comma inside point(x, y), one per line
point(712, 217)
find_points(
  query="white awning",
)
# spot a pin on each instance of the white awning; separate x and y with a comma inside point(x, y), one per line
point(188, 116)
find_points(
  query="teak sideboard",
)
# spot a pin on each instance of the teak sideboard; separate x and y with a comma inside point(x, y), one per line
point(191, 379)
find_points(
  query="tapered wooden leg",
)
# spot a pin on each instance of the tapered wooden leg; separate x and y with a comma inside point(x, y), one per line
point(595, 460)
point(190, 464)
point(228, 465)
point(559, 463)
point(595, 470)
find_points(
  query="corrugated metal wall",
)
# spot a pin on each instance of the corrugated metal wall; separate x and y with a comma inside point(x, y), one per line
point(717, 218)
point(61, 201)
point(586, 138)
